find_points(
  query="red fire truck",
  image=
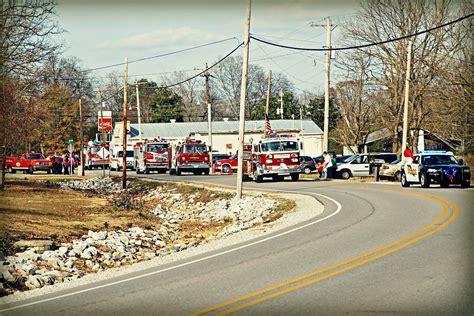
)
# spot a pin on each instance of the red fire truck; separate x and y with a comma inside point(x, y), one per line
point(152, 156)
point(97, 156)
point(190, 156)
point(29, 162)
point(274, 157)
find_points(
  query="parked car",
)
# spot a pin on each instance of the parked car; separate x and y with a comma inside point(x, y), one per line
point(359, 165)
point(391, 170)
point(308, 164)
point(216, 157)
point(227, 165)
point(435, 167)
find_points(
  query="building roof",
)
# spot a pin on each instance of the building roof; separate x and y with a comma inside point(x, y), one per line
point(183, 129)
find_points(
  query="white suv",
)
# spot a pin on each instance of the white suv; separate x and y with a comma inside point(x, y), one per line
point(359, 165)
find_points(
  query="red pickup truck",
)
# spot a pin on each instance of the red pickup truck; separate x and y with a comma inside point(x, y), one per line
point(29, 162)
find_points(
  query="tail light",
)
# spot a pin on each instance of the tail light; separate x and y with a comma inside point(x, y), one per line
point(385, 167)
point(270, 156)
point(293, 155)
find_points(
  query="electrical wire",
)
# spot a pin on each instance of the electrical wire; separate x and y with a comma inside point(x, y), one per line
point(162, 55)
point(198, 74)
point(364, 45)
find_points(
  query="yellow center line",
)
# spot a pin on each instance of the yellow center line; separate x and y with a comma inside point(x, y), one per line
point(409, 237)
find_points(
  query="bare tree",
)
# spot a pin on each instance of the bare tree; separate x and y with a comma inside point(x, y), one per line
point(27, 29)
point(386, 19)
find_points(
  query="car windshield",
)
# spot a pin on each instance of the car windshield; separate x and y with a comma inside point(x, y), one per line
point(350, 158)
point(129, 153)
point(189, 149)
point(35, 156)
point(280, 146)
point(156, 147)
point(439, 160)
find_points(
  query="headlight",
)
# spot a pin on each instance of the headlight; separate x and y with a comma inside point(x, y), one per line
point(466, 170)
point(432, 170)
point(294, 159)
point(219, 163)
point(268, 161)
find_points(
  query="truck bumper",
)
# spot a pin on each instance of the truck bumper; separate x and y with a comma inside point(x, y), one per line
point(194, 166)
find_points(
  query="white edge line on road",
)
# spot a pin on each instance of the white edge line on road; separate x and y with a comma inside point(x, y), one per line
point(339, 207)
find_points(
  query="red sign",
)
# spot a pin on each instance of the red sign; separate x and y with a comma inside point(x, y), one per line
point(105, 124)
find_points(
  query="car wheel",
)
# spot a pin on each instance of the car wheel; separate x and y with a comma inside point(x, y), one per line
point(307, 170)
point(295, 177)
point(226, 169)
point(256, 177)
point(178, 172)
point(465, 185)
point(345, 174)
point(30, 170)
point(206, 172)
point(10, 170)
point(444, 184)
point(396, 176)
point(424, 181)
point(404, 181)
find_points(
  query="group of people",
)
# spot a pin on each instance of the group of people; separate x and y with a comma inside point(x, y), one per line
point(327, 166)
point(64, 164)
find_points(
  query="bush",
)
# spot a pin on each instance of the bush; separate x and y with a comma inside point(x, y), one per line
point(6, 244)
point(126, 202)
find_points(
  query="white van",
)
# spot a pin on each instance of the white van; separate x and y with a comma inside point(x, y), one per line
point(359, 165)
point(116, 159)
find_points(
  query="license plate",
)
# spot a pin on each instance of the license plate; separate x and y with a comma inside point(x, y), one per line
point(280, 156)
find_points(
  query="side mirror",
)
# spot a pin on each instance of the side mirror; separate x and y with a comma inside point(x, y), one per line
point(461, 161)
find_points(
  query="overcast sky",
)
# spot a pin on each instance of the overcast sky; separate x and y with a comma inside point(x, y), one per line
point(101, 33)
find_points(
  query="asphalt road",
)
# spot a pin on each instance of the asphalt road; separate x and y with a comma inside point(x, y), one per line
point(386, 250)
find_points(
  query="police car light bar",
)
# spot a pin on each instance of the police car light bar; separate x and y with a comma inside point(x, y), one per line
point(432, 151)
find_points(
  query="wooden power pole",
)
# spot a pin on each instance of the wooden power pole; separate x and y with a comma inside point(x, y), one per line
point(124, 134)
point(209, 113)
point(243, 95)
point(81, 151)
point(407, 91)
point(269, 86)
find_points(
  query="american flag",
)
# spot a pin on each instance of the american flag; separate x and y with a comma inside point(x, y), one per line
point(268, 126)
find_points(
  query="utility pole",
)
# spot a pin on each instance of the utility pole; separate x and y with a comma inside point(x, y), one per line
point(209, 113)
point(269, 85)
point(124, 134)
point(329, 28)
point(243, 95)
point(103, 132)
point(326, 86)
point(281, 103)
point(81, 151)
point(407, 91)
point(138, 113)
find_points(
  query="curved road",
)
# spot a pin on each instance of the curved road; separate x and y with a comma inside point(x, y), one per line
point(383, 250)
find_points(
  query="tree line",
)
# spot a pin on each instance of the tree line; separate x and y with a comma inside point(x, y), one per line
point(41, 87)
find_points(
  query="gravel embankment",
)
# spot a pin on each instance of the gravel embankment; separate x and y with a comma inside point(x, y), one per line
point(111, 253)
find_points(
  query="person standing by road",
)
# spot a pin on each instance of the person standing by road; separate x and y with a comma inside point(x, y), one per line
point(327, 166)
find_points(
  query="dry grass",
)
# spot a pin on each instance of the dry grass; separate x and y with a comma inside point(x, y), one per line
point(37, 210)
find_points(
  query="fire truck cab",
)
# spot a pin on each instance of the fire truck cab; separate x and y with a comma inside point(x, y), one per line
point(152, 156)
point(275, 157)
point(190, 156)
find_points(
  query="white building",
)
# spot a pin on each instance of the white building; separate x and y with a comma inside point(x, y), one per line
point(225, 134)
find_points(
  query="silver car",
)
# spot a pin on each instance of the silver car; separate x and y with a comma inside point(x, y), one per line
point(359, 165)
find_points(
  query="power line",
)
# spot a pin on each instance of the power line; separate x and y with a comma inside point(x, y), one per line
point(200, 73)
point(163, 55)
point(364, 45)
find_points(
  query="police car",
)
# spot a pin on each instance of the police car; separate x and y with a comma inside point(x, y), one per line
point(435, 167)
